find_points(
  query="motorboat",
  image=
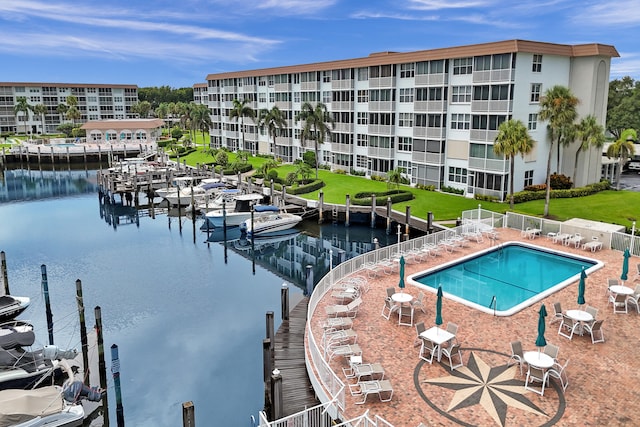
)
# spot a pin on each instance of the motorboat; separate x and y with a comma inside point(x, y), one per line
point(11, 306)
point(50, 406)
point(244, 204)
point(271, 223)
point(183, 194)
point(23, 367)
point(218, 200)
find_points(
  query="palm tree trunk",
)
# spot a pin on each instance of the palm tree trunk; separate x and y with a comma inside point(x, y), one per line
point(618, 173)
point(512, 165)
point(575, 167)
point(316, 147)
point(548, 192)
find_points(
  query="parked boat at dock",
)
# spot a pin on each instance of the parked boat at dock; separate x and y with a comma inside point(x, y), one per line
point(11, 306)
point(271, 223)
point(183, 193)
point(240, 212)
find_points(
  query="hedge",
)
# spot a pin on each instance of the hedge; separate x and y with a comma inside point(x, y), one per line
point(242, 169)
point(364, 198)
point(525, 196)
point(307, 188)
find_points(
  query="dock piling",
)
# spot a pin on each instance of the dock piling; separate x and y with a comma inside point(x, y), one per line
point(115, 371)
point(284, 301)
point(188, 414)
point(47, 302)
point(102, 365)
point(373, 210)
point(83, 332)
point(276, 394)
point(320, 207)
point(270, 331)
point(5, 275)
point(388, 215)
point(348, 207)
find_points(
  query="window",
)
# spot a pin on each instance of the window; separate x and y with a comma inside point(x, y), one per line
point(296, 96)
point(481, 93)
point(363, 74)
point(361, 161)
point(461, 94)
point(363, 118)
point(405, 165)
point(430, 94)
point(406, 120)
point(535, 92)
point(528, 178)
point(457, 175)
point(326, 76)
point(407, 70)
point(537, 63)
point(482, 63)
point(489, 181)
point(363, 96)
point(326, 97)
point(435, 120)
point(533, 121)
point(501, 61)
point(406, 95)
point(405, 143)
point(499, 92)
point(262, 97)
point(460, 121)
point(462, 66)
point(362, 141)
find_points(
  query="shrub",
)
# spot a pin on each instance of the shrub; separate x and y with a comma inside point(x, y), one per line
point(426, 187)
point(272, 174)
point(176, 133)
point(307, 188)
point(453, 190)
point(340, 171)
point(364, 198)
point(536, 187)
point(486, 198)
point(357, 173)
point(291, 178)
point(309, 157)
point(560, 182)
point(378, 178)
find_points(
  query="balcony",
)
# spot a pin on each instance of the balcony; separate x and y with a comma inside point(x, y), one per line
point(314, 86)
point(429, 158)
point(284, 141)
point(431, 106)
point(380, 82)
point(497, 106)
point(431, 79)
point(341, 105)
point(341, 148)
point(493, 76)
point(386, 130)
point(381, 105)
point(342, 84)
point(491, 165)
point(343, 127)
point(281, 87)
point(381, 153)
point(483, 135)
point(432, 133)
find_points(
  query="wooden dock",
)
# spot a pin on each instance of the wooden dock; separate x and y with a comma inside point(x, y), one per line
point(289, 352)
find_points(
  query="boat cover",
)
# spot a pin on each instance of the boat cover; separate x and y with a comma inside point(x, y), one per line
point(7, 301)
point(266, 208)
point(11, 337)
point(18, 406)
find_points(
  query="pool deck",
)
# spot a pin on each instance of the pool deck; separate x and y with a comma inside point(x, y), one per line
point(604, 386)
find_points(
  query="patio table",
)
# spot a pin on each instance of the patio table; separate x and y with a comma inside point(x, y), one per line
point(438, 336)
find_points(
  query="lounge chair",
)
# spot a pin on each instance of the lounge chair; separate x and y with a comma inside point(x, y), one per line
point(517, 356)
point(346, 294)
point(337, 337)
point(365, 388)
point(557, 313)
point(568, 326)
point(536, 375)
point(451, 353)
point(349, 310)
point(560, 372)
point(368, 372)
point(346, 350)
point(595, 330)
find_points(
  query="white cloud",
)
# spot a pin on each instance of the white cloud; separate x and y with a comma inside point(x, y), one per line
point(398, 16)
point(627, 65)
point(445, 4)
point(621, 12)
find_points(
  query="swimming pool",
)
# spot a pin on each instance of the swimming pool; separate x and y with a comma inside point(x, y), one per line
point(517, 274)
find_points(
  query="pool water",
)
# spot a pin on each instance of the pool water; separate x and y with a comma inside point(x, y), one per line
point(505, 279)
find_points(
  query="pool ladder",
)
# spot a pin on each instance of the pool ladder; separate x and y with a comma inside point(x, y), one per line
point(494, 304)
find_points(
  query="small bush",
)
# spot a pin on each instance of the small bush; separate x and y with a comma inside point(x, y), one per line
point(272, 174)
point(307, 188)
point(378, 178)
point(426, 187)
point(364, 198)
point(536, 187)
point(291, 178)
point(340, 171)
point(486, 198)
point(357, 173)
point(560, 182)
point(453, 190)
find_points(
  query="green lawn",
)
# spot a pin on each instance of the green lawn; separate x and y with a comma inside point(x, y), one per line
point(614, 207)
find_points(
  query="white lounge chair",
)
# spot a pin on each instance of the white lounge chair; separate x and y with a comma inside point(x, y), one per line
point(383, 389)
point(346, 350)
point(349, 310)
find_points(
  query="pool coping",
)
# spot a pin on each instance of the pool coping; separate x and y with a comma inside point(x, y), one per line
point(519, 307)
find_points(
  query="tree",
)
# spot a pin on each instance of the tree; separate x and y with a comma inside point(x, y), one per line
point(22, 106)
point(394, 176)
point(558, 107)
point(141, 108)
point(271, 120)
point(303, 170)
point(590, 135)
point(239, 111)
point(623, 106)
point(623, 149)
point(513, 139)
point(318, 123)
point(201, 118)
point(40, 110)
point(62, 110)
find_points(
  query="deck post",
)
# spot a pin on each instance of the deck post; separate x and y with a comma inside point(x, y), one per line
point(47, 302)
point(5, 276)
point(276, 394)
point(284, 301)
point(270, 332)
point(373, 210)
point(115, 370)
point(188, 414)
point(39, 164)
point(407, 218)
point(272, 194)
point(102, 365)
point(83, 332)
point(283, 202)
point(429, 222)
point(320, 207)
point(388, 215)
point(348, 207)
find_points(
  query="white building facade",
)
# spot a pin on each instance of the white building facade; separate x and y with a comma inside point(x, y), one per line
point(95, 102)
point(435, 113)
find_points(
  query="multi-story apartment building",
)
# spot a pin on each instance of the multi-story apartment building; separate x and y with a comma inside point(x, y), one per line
point(434, 113)
point(95, 102)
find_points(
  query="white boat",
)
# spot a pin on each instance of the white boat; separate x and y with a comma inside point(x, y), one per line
point(271, 223)
point(183, 193)
point(240, 212)
point(11, 306)
point(215, 200)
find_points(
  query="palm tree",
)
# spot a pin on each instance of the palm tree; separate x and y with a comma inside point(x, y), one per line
point(394, 176)
point(162, 112)
point(318, 123)
point(22, 106)
point(239, 111)
point(40, 110)
point(513, 139)
point(558, 107)
point(590, 135)
point(62, 110)
point(622, 149)
point(201, 117)
point(272, 120)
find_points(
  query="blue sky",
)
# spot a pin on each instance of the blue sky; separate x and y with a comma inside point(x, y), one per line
point(177, 43)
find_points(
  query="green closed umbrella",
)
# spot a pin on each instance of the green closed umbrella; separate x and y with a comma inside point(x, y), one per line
point(439, 306)
point(540, 341)
point(581, 285)
point(625, 265)
point(401, 284)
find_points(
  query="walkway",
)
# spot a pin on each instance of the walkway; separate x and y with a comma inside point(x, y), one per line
point(604, 379)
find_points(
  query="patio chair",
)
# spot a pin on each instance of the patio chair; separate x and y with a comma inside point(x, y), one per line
point(388, 308)
point(619, 303)
point(420, 328)
point(451, 353)
point(349, 310)
point(634, 300)
point(517, 356)
point(428, 350)
point(418, 303)
point(453, 329)
point(390, 292)
point(560, 373)
point(637, 273)
point(557, 312)
point(536, 375)
point(403, 313)
point(568, 327)
point(344, 295)
point(610, 283)
point(552, 351)
point(592, 311)
point(595, 330)
point(345, 350)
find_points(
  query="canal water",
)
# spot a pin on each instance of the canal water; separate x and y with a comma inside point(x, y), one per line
point(187, 311)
